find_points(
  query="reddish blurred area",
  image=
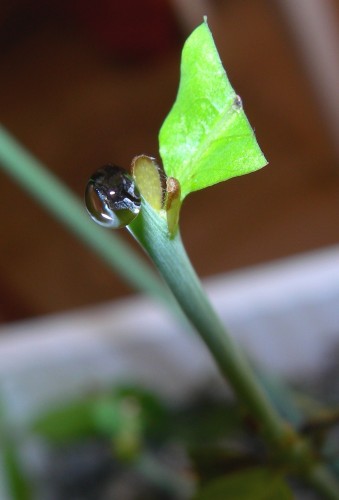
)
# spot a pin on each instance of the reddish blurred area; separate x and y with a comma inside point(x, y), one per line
point(151, 31)
point(128, 30)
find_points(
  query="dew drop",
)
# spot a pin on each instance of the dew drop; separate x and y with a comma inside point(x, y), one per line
point(237, 103)
point(112, 198)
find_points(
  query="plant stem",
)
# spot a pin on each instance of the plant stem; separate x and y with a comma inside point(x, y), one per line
point(66, 207)
point(170, 257)
point(321, 479)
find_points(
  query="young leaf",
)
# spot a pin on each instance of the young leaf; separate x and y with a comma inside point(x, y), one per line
point(257, 484)
point(206, 138)
point(147, 176)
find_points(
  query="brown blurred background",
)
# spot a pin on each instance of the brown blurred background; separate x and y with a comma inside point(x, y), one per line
point(83, 83)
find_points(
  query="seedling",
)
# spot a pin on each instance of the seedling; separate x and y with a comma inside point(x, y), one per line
point(205, 139)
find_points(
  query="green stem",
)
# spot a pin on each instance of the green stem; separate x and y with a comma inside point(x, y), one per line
point(171, 259)
point(173, 263)
point(323, 481)
point(66, 207)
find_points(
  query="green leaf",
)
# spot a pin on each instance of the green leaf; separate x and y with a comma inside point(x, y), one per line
point(257, 484)
point(18, 484)
point(99, 414)
point(16, 481)
point(206, 138)
point(68, 423)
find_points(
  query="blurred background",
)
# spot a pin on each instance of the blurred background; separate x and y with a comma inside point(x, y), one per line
point(85, 83)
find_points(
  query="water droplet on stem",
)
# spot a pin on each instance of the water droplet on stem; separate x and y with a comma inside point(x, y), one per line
point(112, 198)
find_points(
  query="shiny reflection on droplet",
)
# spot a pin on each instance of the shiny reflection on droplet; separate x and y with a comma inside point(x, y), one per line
point(237, 103)
point(112, 198)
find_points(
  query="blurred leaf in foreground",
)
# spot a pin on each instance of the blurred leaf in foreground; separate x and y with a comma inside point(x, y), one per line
point(258, 483)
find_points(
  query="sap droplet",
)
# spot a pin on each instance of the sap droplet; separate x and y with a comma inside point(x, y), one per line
point(237, 103)
point(112, 198)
